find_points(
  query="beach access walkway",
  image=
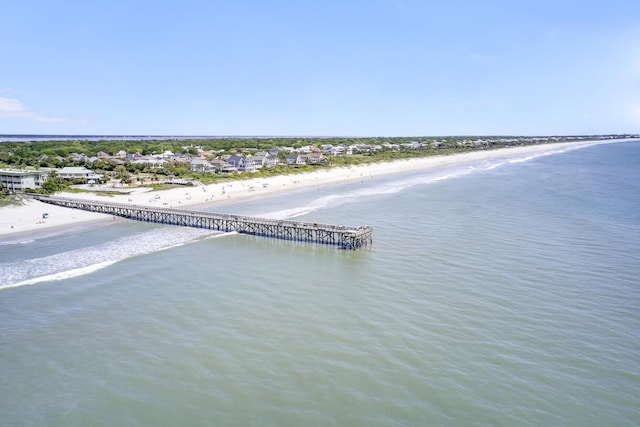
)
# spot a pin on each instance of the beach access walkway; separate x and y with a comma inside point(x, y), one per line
point(336, 235)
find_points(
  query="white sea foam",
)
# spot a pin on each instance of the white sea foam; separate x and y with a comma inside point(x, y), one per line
point(84, 261)
point(404, 183)
point(353, 196)
point(16, 242)
point(87, 260)
point(441, 178)
point(450, 295)
point(219, 235)
point(61, 275)
point(496, 163)
point(317, 204)
point(533, 156)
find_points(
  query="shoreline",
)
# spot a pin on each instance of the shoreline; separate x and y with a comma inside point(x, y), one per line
point(27, 219)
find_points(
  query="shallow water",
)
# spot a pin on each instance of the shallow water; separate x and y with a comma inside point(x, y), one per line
point(502, 292)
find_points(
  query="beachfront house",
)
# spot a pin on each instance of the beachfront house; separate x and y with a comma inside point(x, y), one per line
point(337, 150)
point(21, 180)
point(242, 163)
point(276, 151)
point(315, 158)
point(413, 145)
point(360, 148)
point(200, 165)
point(295, 159)
point(306, 149)
point(79, 174)
point(264, 160)
point(220, 165)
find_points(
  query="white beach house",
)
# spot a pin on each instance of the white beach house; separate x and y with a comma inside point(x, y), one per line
point(20, 179)
point(81, 173)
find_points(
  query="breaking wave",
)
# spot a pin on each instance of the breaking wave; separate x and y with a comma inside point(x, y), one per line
point(83, 261)
point(403, 183)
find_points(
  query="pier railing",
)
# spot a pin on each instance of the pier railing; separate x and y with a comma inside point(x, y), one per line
point(337, 235)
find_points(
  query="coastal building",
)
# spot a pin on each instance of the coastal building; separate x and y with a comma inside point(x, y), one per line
point(215, 165)
point(79, 173)
point(21, 180)
point(278, 150)
point(337, 150)
point(242, 163)
point(295, 159)
point(220, 165)
point(264, 160)
point(315, 158)
point(200, 165)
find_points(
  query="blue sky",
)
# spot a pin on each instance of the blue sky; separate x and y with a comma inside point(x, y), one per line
point(320, 68)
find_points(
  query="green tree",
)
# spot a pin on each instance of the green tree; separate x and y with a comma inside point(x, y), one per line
point(122, 174)
point(54, 183)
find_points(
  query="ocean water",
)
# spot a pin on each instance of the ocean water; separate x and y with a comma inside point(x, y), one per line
point(504, 292)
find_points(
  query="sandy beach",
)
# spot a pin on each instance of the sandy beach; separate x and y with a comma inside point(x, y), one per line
point(28, 217)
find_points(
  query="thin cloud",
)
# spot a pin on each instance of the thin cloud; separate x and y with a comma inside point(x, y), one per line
point(14, 109)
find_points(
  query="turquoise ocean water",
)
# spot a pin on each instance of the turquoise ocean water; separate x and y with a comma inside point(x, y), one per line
point(503, 292)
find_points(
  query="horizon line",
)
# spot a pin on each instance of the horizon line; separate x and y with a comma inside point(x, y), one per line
point(64, 135)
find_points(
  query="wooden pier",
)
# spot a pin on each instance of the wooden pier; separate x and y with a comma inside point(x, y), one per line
point(337, 235)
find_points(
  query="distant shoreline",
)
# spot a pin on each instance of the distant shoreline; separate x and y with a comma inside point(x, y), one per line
point(28, 218)
point(65, 137)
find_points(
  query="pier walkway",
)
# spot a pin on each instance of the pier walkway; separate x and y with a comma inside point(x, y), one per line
point(337, 235)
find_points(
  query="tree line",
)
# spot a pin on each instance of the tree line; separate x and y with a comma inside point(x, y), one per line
point(60, 153)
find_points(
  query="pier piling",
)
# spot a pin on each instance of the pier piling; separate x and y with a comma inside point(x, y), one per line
point(336, 235)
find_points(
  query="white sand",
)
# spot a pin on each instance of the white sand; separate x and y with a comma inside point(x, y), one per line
point(29, 217)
